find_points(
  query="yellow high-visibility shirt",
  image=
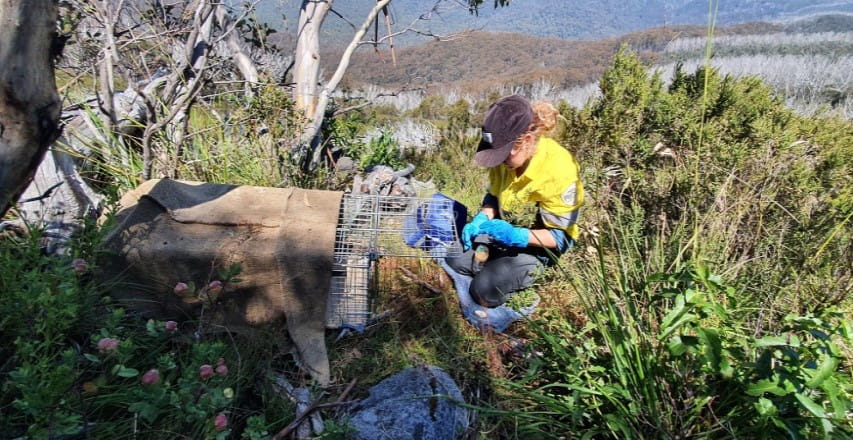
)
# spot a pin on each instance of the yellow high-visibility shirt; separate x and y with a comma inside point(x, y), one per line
point(551, 181)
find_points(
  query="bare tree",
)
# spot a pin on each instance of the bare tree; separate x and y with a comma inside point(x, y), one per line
point(311, 98)
point(163, 56)
point(29, 103)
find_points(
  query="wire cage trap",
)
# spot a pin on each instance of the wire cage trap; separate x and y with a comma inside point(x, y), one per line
point(374, 226)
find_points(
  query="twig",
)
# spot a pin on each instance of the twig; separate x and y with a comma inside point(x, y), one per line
point(413, 278)
point(313, 407)
point(45, 195)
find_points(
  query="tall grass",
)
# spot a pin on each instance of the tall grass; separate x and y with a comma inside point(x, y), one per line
point(669, 352)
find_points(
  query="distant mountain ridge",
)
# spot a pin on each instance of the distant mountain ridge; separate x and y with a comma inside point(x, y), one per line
point(483, 59)
point(565, 19)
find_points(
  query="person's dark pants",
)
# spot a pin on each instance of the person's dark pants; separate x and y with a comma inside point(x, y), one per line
point(505, 272)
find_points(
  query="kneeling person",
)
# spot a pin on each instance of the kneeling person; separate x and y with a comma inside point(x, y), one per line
point(527, 169)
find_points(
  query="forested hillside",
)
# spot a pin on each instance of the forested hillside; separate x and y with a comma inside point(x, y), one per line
point(566, 19)
point(807, 57)
point(486, 57)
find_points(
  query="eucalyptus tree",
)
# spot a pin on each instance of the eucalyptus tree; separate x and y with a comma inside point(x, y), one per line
point(29, 102)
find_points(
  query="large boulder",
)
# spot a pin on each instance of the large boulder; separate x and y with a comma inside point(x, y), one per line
point(416, 403)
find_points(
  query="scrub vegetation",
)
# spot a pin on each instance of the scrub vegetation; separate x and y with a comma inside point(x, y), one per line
point(708, 296)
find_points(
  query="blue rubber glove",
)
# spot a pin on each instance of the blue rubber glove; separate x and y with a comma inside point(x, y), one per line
point(472, 229)
point(505, 233)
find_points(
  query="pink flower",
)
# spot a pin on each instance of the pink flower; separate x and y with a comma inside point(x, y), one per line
point(214, 287)
point(220, 422)
point(79, 266)
point(151, 377)
point(220, 361)
point(107, 345)
point(182, 289)
point(222, 370)
point(171, 326)
point(205, 372)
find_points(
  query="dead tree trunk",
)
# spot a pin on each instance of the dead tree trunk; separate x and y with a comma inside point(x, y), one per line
point(306, 74)
point(29, 103)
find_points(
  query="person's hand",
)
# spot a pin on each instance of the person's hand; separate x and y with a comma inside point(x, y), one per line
point(505, 233)
point(472, 229)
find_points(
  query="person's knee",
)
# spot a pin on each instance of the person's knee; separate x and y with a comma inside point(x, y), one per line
point(486, 294)
point(458, 264)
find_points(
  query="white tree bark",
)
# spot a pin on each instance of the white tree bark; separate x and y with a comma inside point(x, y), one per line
point(58, 199)
point(241, 59)
point(307, 61)
point(306, 74)
point(29, 103)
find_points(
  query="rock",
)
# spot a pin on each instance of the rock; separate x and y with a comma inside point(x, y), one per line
point(345, 164)
point(418, 403)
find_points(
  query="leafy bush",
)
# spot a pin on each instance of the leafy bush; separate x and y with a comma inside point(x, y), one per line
point(673, 360)
point(46, 308)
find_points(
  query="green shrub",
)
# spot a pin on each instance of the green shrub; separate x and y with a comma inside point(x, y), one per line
point(45, 310)
point(675, 354)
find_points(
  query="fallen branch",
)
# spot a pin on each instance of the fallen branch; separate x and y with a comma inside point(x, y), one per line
point(414, 278)
point(313, 407)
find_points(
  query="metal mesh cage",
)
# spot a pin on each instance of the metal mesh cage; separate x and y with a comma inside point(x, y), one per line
point(375, 226)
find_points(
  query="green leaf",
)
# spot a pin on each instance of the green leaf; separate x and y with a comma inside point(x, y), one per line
point(676, 325)
point(838, 402)
point(819, 334)
point(127, 372)
point(847, 329)
point(92, 358)
point(659, 277)
point(713, 348)
point(145, 410)
point(776, 341)
point(677, 310)
point(702, 272)
point(765, 386)
point(726, 368)
point(810, 405)
point(676, 346)
point(765, 407)
point(827, 367)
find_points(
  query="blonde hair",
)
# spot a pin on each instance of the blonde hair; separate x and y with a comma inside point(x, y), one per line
point(544, 122)
point(544, 118)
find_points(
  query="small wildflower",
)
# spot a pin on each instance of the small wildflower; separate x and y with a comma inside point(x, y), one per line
point(151, 377)
point(107, 345)
point(222, 370)
point(228, 393)
point(79, 266)
point(220, 361)
point(214, 287)
point(205, 372)
point(182, 289)
point(171, 326)
point(220, 422)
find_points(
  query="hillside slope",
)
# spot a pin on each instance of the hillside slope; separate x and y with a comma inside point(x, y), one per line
point(483, 59)
point(567, 19)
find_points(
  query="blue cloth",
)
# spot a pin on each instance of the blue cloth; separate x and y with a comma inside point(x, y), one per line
point(434, 224)
point(496, 319)
point(564, 242)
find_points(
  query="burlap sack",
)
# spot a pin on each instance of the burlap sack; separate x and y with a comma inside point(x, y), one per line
point(171, 231)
